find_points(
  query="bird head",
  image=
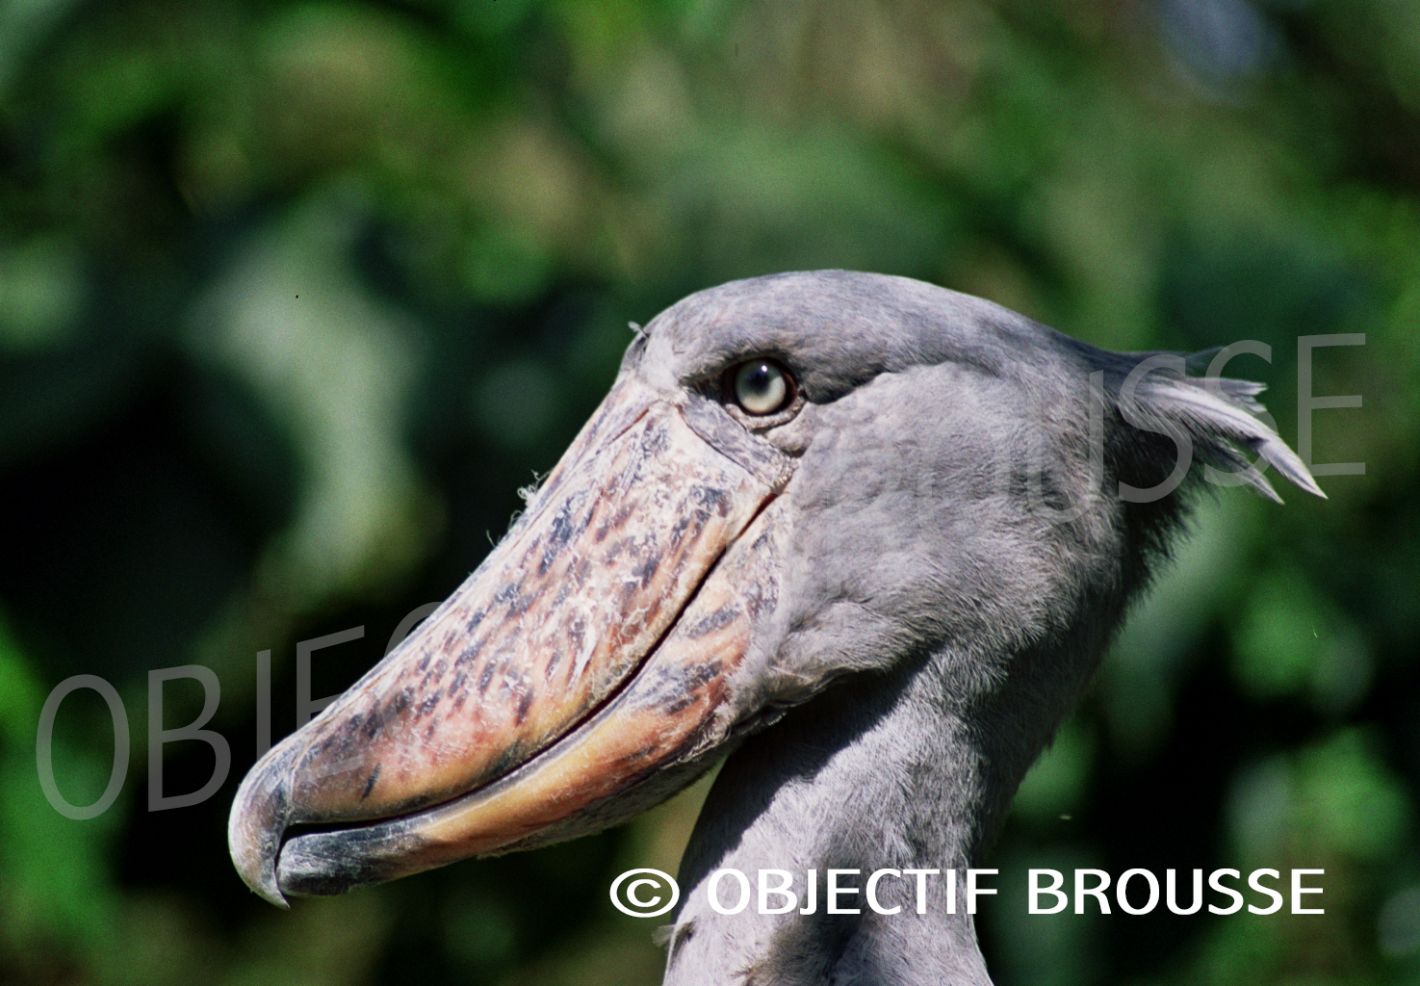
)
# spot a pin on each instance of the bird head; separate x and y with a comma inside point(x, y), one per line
point(794, 479)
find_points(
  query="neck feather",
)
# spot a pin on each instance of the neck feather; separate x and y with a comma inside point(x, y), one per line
point(909, 770)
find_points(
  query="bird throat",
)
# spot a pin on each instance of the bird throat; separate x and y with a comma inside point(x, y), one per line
point(908, 792)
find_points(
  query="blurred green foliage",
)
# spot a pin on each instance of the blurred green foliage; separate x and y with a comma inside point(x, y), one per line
point(295, 295)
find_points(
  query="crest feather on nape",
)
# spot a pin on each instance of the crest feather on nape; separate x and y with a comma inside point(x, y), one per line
point(1218, 418)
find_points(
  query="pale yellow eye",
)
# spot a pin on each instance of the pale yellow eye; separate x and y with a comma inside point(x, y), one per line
point(761, 387)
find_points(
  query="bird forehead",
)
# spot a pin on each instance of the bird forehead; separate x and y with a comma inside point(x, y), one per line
point(835, 328)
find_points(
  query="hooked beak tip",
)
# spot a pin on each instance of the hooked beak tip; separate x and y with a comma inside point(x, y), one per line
point(255, 830)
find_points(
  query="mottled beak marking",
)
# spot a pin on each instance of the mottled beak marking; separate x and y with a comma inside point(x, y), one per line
point(559, 688)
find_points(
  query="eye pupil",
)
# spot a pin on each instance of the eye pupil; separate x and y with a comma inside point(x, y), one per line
point(758, 379)
point(761, 387)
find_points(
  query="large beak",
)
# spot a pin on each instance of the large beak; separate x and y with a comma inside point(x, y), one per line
point(576, 677)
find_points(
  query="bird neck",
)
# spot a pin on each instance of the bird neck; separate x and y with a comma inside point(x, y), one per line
point(912, 770)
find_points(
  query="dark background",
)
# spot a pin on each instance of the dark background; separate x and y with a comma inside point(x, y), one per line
point(294, 296)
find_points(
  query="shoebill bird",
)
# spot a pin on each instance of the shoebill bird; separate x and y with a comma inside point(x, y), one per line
point(865, 535)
